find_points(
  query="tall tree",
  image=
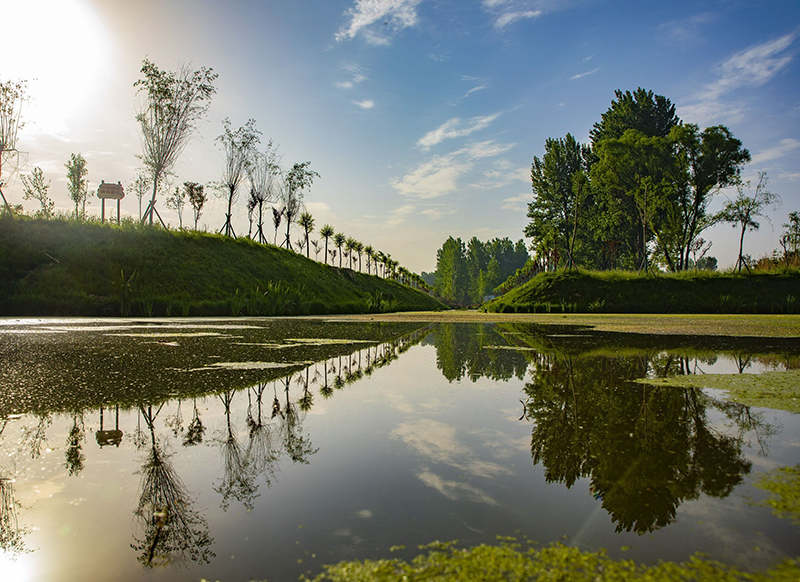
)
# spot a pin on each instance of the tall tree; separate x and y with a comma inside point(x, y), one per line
point(451, 271)
point(306, 222)
point(239, 147)
point(77, 185)
point(197, 198)
point(326, 232)
point(298, 180)
point(706, 161)
point(653, 115)
point(560, 191)
point(742, 212)
point(35, 188)
point(173, 104)
point(12, 95)
point(264, 176)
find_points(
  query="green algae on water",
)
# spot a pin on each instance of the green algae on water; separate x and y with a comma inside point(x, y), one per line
point(779, 390)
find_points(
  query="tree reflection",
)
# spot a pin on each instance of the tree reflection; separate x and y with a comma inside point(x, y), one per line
point(238, 474)
point(170, 530)
point(261, 449)
point(296, 444)
point(73, 455)
point(196, 429)
point(645, 449)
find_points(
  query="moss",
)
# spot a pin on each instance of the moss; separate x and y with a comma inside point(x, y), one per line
point(507, 561)
point(783, 485)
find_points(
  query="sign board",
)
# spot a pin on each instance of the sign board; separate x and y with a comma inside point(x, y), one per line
point(112, 191)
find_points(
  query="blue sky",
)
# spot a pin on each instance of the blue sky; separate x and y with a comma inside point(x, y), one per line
point(422, 116)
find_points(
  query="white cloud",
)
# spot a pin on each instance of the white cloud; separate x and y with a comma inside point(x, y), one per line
point(398, 215)
point(393, 15)
point(344, 84)
point(475, 89)
point(366, 104)
point(358, 75)
point(502, 174)
point(747, 69)
point(686, 30)
point(517, 203)
point(437, 212)
point(440, 174)
point(586, 74)
point(454, 490)
point(510, 17)
point(786, 145)
point(453, 129)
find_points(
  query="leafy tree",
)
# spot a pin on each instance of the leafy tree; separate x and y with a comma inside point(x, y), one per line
point(358, 247)
point(653, 115)
point(197, 198)
point(277, 215)
point(173, 104)
point(35, 188)
point(326, 232)
point(239, 147)
point(742, 212)
point(298, 180)
point(793, 231)
point(306, 222)
point(560, 192)
point(339, 240)
point(77, 185)
point(350, 245)
point(705, 162)
point(451, 271)
point(12, 95)
point(370, 252)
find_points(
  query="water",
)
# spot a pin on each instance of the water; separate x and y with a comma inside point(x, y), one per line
point(261, 449)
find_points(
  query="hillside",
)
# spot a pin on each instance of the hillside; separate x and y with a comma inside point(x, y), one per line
point(55, 267)
point(624, 292)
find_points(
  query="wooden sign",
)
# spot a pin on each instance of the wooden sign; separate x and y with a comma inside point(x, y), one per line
point(112, 191)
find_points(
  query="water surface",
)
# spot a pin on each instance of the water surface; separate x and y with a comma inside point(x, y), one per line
point(263, 448)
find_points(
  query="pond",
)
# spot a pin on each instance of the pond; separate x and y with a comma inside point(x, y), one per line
point(239, 449)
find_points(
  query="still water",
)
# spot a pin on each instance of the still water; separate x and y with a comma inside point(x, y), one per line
point(247, 449)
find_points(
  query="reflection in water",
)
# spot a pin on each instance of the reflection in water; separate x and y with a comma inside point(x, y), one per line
point(196, 429)
point(73, 455)
point(170, 529)
point(238, 475)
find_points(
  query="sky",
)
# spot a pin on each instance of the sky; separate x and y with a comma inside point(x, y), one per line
point(422, 117)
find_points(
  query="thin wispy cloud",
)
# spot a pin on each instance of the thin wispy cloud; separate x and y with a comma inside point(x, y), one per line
point(475, 89)
point(507, 12)
point(437, 212)
point(357, 75)
point(398, 215)
point(747, 69)
point(502, 174)
point(687, 30)
point(366, 104)
point(389, 16)
point(517, 203)
point(785, 146)
point(440, 174)
point(454, 128)
point(586, 74)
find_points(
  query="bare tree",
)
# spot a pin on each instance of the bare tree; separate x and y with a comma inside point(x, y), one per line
point(174, 103)
point(176, 202)
point(265, 173)
point(140, 185)
point(12, 95)
point(239, 147)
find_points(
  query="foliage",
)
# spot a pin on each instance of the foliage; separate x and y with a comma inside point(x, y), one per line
point(78, 186)
point(35, 188)
point(197, 198)
point(298, 180)
point(508, 561)
point(650, 114)
point(176, 201)
point(173, 104)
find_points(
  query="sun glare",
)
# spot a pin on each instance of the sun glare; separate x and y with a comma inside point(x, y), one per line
point(17, 569)
point(62, 48)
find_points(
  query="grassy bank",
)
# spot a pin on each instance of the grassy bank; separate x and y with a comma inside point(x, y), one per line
point(53, 267)
point(624, 292)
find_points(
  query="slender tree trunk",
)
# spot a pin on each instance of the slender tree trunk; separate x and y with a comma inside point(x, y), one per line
point(740, 261)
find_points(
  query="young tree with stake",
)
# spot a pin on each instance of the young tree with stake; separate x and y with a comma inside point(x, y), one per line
point(239, 147)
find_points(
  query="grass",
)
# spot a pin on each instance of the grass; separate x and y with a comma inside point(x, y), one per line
point(58, 267)
point(775, 292)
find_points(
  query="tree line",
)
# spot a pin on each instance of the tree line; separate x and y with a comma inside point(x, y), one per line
point(637, 196)
point(466, 273)
point(171, 105)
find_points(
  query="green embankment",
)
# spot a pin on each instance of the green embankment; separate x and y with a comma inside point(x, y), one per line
point(622, 292)
point(54, 267)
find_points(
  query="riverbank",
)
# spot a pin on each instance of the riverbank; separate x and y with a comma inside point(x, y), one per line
point(763, 326)
point(682, 293)
point(67, 268)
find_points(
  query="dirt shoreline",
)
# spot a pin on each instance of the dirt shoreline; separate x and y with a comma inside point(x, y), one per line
point(764, 326)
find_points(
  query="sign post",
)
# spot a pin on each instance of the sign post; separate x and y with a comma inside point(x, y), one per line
point(112, 191)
